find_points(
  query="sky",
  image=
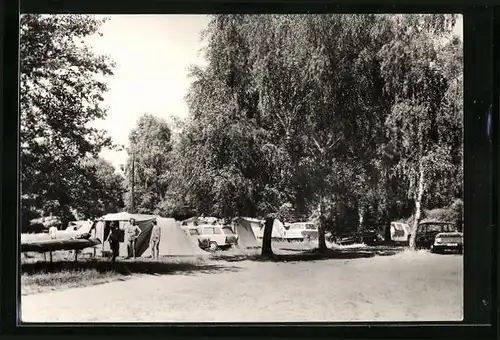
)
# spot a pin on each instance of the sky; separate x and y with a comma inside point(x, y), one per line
point(152, 55)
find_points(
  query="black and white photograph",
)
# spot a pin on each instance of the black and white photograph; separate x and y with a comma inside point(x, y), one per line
point(267, 168)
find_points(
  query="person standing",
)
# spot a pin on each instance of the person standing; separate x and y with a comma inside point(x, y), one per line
point(114, 241)
point(154, 242)
point(133, 232)
point(53, 232)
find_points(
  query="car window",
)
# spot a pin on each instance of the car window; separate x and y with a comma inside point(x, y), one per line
point(311, 227)
point(227, 231)
point(193, 232)
point(217, 230)
point(208, 231)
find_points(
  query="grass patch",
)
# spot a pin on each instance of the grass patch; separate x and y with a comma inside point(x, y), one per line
point(42, 281)
point(46, 276)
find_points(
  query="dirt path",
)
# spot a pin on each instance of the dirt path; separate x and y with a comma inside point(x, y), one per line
point(423, 287)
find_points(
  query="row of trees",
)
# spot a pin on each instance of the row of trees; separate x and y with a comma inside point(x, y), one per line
point(348, 118)
point(331, 115)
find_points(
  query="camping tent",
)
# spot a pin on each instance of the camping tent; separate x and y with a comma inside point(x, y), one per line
point(173, 242)
point(399, 231)
point(258, 228)
point(279, 231)
point(102, 227)
point(246, 236)
point(256, 225)
point(80, 226)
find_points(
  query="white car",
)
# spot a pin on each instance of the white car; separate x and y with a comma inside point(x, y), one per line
point(193, 232)
point(219, 237)
point(301, 230)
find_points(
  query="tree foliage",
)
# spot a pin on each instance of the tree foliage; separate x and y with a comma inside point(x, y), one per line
point(149, 151)
point(61, 87)
point(330, 113)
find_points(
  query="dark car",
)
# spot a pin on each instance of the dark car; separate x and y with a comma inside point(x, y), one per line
point(371, 237)
point(428, 230)
point(453, 241)
point(345, 238)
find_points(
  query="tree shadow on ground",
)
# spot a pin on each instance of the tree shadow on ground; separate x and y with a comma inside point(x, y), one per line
point(127, 267)
point(313, 254)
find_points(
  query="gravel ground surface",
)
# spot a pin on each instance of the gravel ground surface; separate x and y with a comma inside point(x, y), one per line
point(403, 287)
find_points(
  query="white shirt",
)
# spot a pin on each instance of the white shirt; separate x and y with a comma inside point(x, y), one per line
point(53, 232)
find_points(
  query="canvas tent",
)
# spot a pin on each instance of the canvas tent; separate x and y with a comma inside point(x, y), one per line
point(102, 227)
point(258, 228)
point(279, 231)
point(80, 226)
point(246, 236)
point(174, 241)
point(399, 232)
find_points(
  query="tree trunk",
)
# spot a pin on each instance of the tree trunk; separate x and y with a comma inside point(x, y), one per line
point(267, 250)
point(418, 208)
point(321, 229)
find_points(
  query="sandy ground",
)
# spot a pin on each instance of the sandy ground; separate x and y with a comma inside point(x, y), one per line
point(403, 287)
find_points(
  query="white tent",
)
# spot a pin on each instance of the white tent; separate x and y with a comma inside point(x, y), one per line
point(125, 217)
point(278, 232)
point(246, 236)
point(399, 231)
point(174, 241)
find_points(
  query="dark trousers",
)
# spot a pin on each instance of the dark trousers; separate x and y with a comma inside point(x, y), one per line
point(115, 248)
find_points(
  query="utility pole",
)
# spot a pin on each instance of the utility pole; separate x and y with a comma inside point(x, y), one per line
point(133, 183)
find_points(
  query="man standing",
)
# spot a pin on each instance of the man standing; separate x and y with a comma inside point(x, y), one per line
point(114, 240)
point(133, 232)
point(53, 232)
point(154, 242)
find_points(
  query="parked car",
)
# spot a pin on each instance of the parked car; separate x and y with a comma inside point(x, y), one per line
point(219, 237)
point(203, 242)
point(449, 241)
point(371, 237)
point(428, 230)
point(346, 239)
point(301, 230)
